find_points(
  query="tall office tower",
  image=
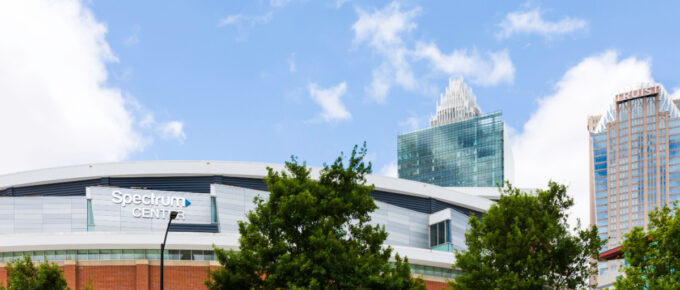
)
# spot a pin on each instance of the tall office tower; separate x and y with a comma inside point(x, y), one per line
point(634, 164)
point(462, 147)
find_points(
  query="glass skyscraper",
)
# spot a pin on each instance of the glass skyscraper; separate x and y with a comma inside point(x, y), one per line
point(462, 147)
point(634, 162)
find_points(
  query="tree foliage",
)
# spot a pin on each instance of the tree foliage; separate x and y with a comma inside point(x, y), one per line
point(24, 275)
point(524, 242)
point(653, 258)
point(313, 234)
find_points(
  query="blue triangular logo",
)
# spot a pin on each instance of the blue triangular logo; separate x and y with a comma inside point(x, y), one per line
point(186, 202)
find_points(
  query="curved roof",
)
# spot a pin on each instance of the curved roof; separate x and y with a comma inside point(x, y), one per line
point(253, 170)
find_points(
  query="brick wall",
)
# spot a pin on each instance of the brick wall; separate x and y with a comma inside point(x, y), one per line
point(436, 285)
point(3, 276)
point(145, 274)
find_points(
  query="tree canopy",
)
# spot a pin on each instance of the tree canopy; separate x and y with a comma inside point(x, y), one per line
point(313, 234)
point(24, 275)
point(524, 242)
point(653, 258)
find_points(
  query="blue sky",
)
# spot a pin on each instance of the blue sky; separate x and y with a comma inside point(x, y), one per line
point(100, 81)
point(234, 91)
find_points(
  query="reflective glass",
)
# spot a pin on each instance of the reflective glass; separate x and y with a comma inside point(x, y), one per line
point(463, 153)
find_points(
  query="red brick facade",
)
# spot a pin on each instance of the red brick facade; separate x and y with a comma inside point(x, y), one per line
point(145, 275)
point(436, 285)
point(140, 274)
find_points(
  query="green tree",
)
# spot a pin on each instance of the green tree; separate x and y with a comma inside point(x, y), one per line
point(24, 275)
point(524, 242)
point(313, 234)
point(653, 258)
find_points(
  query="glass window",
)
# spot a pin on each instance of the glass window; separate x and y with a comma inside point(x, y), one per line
point(197, 255)
point(128, 255)
point(50, 255)
point(38, 256)
point(153, 254)
point(441, 233)
point(90, 216)
point(93, 254)
point(209, 255)
point(213, 210)
point(70, 254)
point(105, 254)
point(82, 255)
point(173, 255)
point(140, 254)
point(116, 254)
point(433, 235)
point(60, 256)
point(185, 255)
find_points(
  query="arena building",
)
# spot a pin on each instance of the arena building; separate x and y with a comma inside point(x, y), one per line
point(104, 222)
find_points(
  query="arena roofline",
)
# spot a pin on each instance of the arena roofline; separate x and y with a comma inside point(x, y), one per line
point(252, 170)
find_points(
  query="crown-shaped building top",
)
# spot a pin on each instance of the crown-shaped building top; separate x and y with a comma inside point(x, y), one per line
point(458, 103)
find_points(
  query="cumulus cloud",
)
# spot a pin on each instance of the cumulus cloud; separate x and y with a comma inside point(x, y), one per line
point(532, 22)
point(553, 144)
point(57, 109)
point(497, 69)
point(329, 99)
point(391, 170)
point(383, 30)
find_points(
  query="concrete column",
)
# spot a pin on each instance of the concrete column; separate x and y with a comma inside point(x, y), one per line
point(142, 275)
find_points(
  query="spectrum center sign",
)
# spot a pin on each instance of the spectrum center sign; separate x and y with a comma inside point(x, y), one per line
point(151, 205)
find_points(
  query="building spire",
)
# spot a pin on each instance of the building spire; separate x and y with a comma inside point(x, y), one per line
point(458, 103)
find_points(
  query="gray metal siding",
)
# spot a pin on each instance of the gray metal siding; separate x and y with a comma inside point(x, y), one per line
point(201, 184)
point(180, 183)
point(55, 189)
point(419, 204)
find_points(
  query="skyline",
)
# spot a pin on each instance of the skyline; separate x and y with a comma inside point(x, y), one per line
point(94, 81)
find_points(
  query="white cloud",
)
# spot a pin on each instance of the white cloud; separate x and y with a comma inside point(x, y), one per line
point(56, 108)
point(383, 30)
point(133, 38)
point(329, 100)
point(173, 130)
point(247, 20)
point(244, 23)
point(553, 144)
point(459, 62)
point(390, 170)
point(532, 22)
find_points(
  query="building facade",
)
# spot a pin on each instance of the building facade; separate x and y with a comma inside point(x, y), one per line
point(462, 147)
point(104, 222)
point(634, 163)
